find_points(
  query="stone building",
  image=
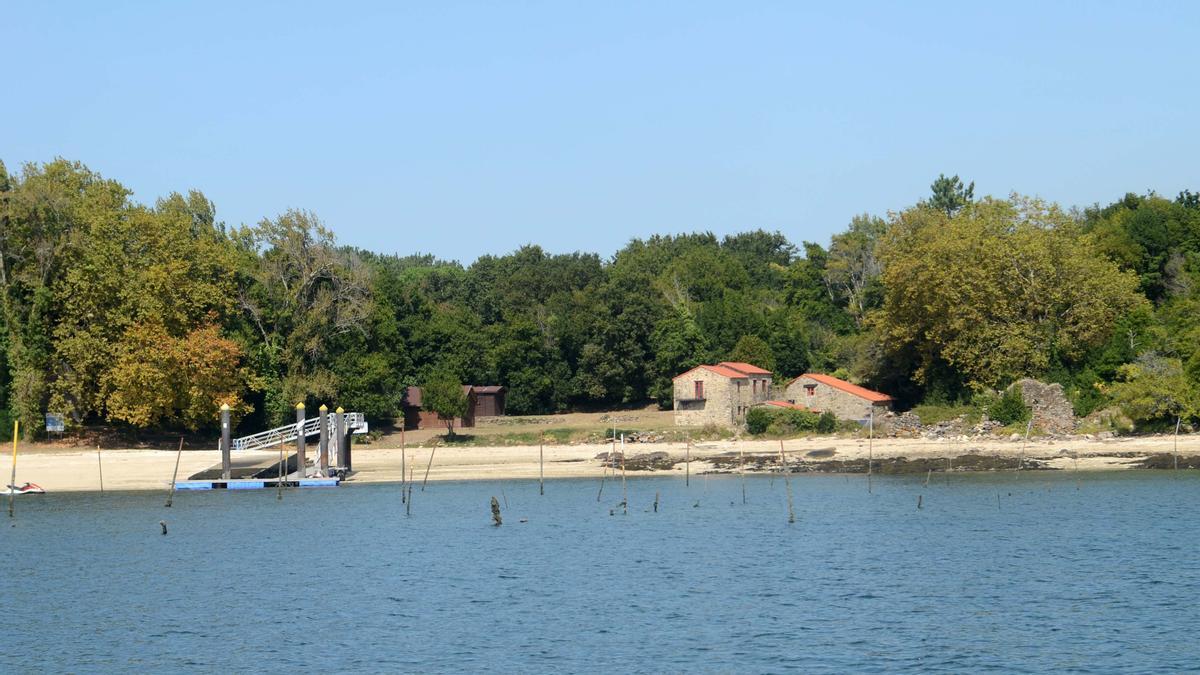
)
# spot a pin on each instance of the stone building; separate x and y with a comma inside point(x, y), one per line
point(847, 401)
point(719, 394)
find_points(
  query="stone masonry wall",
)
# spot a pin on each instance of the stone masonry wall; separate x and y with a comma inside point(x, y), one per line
point(844, 405)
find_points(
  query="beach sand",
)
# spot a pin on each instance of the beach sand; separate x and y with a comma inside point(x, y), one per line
point(59, 469)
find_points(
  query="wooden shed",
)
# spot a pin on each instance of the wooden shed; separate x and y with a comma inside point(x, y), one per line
point(417, 418)
point(489, 400)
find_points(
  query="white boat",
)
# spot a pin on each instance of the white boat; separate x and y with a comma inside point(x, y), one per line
point(27, 489)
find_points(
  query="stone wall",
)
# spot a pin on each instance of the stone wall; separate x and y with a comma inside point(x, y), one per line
point(726, 400)
point(1052, 411)
point(844, 405)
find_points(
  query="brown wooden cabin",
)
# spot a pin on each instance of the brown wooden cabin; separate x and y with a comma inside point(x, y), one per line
point(416, 418)
point(489, 400)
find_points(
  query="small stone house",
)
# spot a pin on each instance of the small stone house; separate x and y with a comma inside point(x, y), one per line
point(847, 401)
point(719, 394)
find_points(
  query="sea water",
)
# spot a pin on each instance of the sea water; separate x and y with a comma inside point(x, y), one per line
point(1028, 572)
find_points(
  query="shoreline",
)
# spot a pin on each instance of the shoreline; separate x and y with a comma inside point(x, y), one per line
point(78, 470)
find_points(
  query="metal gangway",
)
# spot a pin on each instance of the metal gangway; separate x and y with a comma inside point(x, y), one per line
point(356, 423)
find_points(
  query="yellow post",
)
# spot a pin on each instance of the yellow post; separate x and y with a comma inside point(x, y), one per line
point(12, 487)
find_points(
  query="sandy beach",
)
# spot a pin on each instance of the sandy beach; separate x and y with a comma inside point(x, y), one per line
point(59, 469)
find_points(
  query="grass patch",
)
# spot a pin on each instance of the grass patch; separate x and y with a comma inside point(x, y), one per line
point(932, 413)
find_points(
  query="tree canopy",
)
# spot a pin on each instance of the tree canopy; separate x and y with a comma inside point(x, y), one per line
point(152, 316)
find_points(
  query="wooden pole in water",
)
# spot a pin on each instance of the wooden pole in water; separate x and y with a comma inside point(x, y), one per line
point(541, 464)
point(742, 470)
point(408, 502)
point(426, 480)
point(1028, 428)
point(174, 476)
point(100, 465)
point(656, 501)
point(687, 462)
point(927, 475)
point(788, 481)
point(496, 512)
point(624, 492)
point(279, 484)
point(403, 470)
point(603, 475)
point(871, 450)
point(1178, 419)
point(12, 487)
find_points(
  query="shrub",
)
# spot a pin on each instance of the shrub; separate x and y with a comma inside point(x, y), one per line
point(757, 420)
point(827, 423)
point(1010, 408)
point(784, 421)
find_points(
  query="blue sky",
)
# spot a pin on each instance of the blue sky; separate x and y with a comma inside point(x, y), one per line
point(468, 128)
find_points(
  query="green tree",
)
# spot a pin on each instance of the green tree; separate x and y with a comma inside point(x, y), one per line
point(994, 291)
point(753, 350)
point(1154, 391)
point(949, 194)
point(446, 396)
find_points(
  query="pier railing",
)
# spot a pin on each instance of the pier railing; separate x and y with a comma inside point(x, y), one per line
point(271, 438)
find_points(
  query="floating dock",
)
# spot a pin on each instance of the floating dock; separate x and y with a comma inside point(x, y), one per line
point(242, 484)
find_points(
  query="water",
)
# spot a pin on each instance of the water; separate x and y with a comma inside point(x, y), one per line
point(1047, 578)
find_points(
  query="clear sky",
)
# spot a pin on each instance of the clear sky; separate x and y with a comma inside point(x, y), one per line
point(467, 128)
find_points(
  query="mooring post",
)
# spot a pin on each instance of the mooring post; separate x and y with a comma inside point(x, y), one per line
point(226, 464)
point(343, 448)
point(300, 438)
point(323, 444)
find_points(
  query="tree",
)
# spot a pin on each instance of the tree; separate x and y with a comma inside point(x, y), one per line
point(853, 267)
point(994, 291)
point(1154, 391)
point(753, 350)
point(949, 195)
point(446, 396)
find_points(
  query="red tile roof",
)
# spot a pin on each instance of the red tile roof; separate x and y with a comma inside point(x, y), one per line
point(747, 368)
point(719, 370)
point(861, 392)
point(785, 404)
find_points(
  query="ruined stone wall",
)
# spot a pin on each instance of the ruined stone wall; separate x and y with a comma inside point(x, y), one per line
point(1052, 411)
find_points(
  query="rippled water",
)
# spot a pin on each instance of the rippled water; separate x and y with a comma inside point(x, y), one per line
point(995, 572)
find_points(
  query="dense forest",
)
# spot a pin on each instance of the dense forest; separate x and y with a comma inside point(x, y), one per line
point(151, 316)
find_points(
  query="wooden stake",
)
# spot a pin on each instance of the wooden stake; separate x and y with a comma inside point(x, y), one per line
point(12, 487)
point(788, 480)
point(174, 476)
point(624, 492)
point(1178, 419)
point(279, 485)
point(496, 512)
point(426, 480)
point(870, 450)
point(408, 487)
point(541, 464)
point(742, 470)
point(919, 502)
point(1028, 428)
point(100, 465)
point(656, 501)
point(403, 471)
point(604, 474)
point(687, 462)
point(927, 475)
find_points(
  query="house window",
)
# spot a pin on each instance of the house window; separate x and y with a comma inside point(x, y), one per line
point(699, 389)
point(811, 389)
